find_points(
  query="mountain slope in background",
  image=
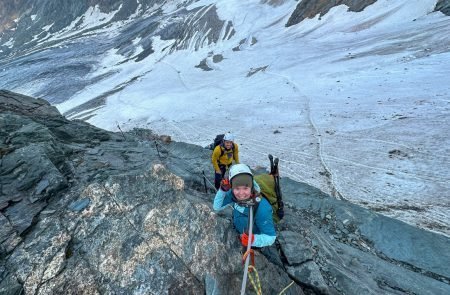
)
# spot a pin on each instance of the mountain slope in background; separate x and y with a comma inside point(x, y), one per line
point(353, 98)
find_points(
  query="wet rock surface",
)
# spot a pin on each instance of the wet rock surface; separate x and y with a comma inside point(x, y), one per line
point(85, 211)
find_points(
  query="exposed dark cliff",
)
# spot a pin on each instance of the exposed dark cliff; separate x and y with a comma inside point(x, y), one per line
point(34, 23)
point(310, 8)
point(443, 6)
point(85, 211)
point(28, 48)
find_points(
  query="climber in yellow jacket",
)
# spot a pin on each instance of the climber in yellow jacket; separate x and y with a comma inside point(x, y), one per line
point(223, 156)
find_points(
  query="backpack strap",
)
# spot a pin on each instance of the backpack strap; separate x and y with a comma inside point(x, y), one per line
point(280, 210)
point(256, 205)
point(267, 199)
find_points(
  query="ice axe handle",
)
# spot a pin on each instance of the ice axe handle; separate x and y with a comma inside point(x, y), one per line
point(271, 163)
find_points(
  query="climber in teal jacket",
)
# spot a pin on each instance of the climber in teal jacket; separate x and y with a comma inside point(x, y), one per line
point(240, 191)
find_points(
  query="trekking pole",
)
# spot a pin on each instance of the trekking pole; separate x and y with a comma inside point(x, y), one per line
point(118, 126)
point(205, 179)
point(271, 163)
point(249, 247)
point(277, 174)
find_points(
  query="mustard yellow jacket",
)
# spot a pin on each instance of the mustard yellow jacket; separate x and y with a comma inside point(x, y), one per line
point(227, 157)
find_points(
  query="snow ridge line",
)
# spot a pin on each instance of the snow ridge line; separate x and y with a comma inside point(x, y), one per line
point(328, 173)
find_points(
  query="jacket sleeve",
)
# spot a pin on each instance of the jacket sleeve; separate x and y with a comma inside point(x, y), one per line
point(215, 158)
point(236, 153)
point(264, 221)
point(222, 200)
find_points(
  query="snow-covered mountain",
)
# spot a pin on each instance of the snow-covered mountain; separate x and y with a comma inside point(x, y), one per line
point(352, 96)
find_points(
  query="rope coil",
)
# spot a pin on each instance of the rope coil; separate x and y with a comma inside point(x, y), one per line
point(254, 279)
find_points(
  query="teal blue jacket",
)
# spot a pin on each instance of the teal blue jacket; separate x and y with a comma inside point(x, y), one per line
point(263, 227)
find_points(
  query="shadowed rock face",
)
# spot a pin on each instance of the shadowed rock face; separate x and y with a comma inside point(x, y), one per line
point(443, 6)
point(29, 23)
point(10, 10)
point(85, 211)
point(310, 8)
point(54, 43)
point(33, 15)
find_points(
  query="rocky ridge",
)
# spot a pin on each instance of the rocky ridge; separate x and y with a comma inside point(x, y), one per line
point(85, 211)
point(310, 8)
point(443, 6)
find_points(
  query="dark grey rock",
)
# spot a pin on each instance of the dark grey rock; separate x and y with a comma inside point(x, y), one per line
point(272, 253)
point(217, 58)
point(253, 71)
point(9, 285)
point(203, 65)
point(41, 186)
point(407, 244)
point(90, 211)
point(211, 285)
point(358, 272)
point(443, 6)
point(374, 240)
point(32, 132)
point(310, 8)
point(79, 205)
point(309, 274)
point(295, 247)
point(206, 22)
point(34, 59)
point(8, 236)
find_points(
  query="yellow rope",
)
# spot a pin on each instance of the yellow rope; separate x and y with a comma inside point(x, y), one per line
point(284, 290)
point(257, 288)
point(257, 285)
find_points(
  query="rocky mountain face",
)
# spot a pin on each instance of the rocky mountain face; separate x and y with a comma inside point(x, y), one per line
point(43, 37)
point(28, 23)
point(34, 22)
point(309, 8)
point(58, 43)
point(443, 6)
point(85, 211)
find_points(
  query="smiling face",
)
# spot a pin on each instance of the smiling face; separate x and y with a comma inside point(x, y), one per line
point(242, 192)
point(228, 144)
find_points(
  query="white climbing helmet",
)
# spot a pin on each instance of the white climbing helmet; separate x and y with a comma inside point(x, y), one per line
point(237, 169)
point(242, 175)
point(228, 137)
